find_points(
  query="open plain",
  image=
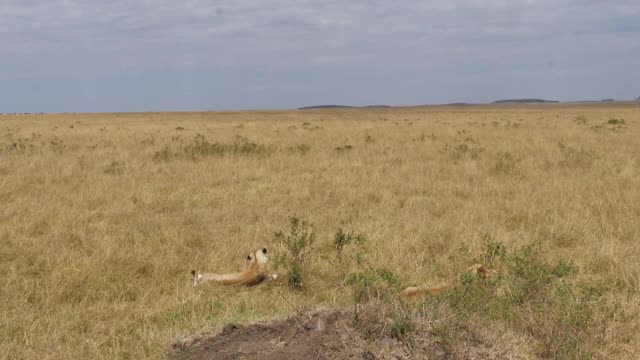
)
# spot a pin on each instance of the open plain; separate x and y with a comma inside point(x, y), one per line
point(103, 217)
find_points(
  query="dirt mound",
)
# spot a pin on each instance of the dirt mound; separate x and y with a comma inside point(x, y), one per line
point(325, 335)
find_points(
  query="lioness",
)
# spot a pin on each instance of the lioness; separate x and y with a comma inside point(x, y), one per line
point(481, 271)
point(255, 273)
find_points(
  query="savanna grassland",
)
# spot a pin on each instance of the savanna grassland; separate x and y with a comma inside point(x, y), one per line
point(103, 216)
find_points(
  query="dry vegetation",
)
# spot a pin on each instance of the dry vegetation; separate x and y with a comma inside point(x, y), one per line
point(103, 216)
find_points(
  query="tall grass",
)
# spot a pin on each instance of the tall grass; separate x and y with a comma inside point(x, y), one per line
point(97, 238)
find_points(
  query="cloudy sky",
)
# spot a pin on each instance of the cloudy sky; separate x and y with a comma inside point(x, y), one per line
point(154, 55)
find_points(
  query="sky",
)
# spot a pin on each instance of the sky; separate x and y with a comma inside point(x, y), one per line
point(168, 55)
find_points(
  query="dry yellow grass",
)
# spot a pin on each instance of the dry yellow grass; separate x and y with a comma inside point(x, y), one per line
point(97, 238)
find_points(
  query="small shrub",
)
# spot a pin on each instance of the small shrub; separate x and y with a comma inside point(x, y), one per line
point(613, 124)
point(298, 242)
point(573, 157)
point(201, 147)
point(532, 296)
point(361, 282)
point(115, 168)
point(163, 155)
point(301, 149)
point(466, 150)
point(386, 315)
point(403, 322)
point(581, 120)
point(15, 146)
point(371, 283)
point(342, 239)
point(148, 141)
point(420, 138)
point(390, 278)
point(311, 127)
point(504, 162)
point(493, 250)
point(343, 149)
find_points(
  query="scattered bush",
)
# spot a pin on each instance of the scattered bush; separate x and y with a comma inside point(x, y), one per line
point(311, 127)
point(466, 150)
point(301, 149)
point(163, 155)
point(504, 162)
point(148, 141)
point(342, 239)
point(531, 296)
point(403, 322)
point(420, 138)
point(200, 147)
point(115, 168)
point(613, 124)
point(343, 149)
point(17, 146)
point(29, 145)
point(614, 121)
point(298, 243)
point(573, 157)
point(581, 120)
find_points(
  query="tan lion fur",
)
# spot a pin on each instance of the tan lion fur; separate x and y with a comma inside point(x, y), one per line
point(255, 273)
point(481, 271)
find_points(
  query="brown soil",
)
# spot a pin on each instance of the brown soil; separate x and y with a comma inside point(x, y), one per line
point(327, 334)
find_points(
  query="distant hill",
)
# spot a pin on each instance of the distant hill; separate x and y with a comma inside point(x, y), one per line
point(638, 99)
point(523, 101)
point(458, 104)
point(342, 107)
point(325, 107)
point(607, 100)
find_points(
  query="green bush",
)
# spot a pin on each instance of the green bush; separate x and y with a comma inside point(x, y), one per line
point(532, 296)
point(298, 242)
point(201, 147)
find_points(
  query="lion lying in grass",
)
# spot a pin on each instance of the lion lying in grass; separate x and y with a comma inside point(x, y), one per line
point(481, 271)
point(255, 273)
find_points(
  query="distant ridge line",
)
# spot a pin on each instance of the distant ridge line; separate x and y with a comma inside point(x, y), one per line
point(511, 101)
point(342, 107)
point(497, 102)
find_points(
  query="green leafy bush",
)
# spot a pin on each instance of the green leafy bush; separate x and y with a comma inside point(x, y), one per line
point(298, 242)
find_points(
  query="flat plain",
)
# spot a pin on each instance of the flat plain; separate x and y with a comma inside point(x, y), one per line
point(103, 217)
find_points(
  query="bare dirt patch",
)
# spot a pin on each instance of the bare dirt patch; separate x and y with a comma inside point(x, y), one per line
point(326, 334)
